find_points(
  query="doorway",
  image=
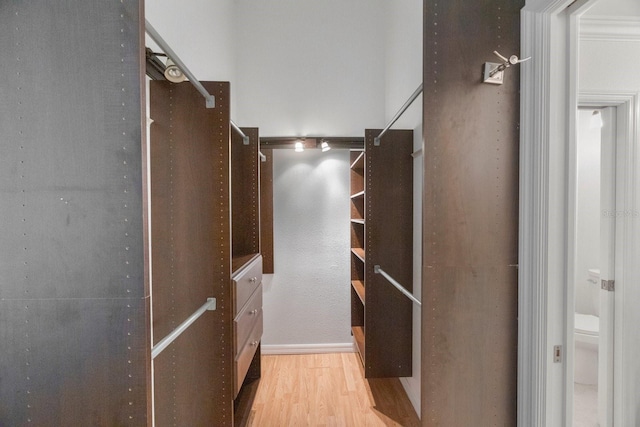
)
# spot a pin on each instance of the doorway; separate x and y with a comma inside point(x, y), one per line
point(551, 93)
point(590, 363)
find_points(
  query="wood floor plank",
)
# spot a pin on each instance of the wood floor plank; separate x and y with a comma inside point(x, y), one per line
point(327, 390)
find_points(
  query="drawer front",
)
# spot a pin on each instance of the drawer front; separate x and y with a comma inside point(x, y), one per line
point(247, 319)
point(245, 356)
point(245, 283)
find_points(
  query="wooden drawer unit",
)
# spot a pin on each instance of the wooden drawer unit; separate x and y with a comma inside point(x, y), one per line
point(245, 354)
point(245, 281)
point(246, 320)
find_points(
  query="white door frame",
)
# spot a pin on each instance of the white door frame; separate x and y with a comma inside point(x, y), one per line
point(547, 94)
point(549, 99)
point(627, 117)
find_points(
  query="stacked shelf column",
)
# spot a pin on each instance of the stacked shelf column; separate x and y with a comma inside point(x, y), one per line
point(381, 234)
point(357, 249)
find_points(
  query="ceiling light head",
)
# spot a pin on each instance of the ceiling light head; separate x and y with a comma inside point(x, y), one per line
point(299, 147)
point(173, 73)
point(325, 146)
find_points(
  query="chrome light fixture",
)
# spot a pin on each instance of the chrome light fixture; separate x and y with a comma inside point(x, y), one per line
point(325, 146)
point(173, 73)
point(299, 147)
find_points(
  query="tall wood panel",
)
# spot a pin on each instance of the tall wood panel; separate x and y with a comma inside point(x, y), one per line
point(245, 197)
point(381, 234)
point(266, 211)
point(74, 343)
point(191, 231)
point(470, 227)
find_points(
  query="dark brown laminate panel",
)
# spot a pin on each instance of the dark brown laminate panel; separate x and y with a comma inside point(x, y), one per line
point(388, 243)
point(191, 253)
point(74, 340)
point(470, 215)
point(266, 211)
point(245, 194)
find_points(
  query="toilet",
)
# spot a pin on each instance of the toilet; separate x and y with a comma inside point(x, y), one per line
point(586, 336)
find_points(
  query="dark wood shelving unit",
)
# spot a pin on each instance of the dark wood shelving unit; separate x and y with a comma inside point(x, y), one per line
point(381, 234)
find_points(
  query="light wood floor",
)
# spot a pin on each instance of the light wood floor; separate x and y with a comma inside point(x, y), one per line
point(326, 390)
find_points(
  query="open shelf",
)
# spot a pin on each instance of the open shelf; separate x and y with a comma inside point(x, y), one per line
point(237, 262)
point(359, 252)
point(358, 163)
point(358, 286)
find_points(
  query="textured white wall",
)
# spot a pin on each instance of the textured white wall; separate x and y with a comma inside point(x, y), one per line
point(306, 301)
point(309, 67)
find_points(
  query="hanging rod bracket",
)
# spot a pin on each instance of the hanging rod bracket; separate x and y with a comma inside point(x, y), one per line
point(245, 138)
point(494, 72)
point(211, 304)
point(210, 101)
point(376, 142)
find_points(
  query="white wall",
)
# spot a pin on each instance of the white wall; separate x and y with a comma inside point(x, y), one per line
point(200, 32)
point(403, 74)
point(309, 67)
point(306, 301)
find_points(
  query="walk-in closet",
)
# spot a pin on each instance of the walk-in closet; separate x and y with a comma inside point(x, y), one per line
point(248, 213)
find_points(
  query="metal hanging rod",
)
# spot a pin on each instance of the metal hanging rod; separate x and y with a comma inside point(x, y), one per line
point(378, 270)
point(418, 91)
point(210, 305)
point(245, 138)
point(210, 99)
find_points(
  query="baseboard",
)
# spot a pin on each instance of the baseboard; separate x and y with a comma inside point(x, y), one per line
point(307, 348)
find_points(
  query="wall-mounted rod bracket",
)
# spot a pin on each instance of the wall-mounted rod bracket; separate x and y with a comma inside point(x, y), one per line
point(245, 138)
point(210, 305)
point(493, 72)
point(414, 95)
point(210, 99)
point(378, 270)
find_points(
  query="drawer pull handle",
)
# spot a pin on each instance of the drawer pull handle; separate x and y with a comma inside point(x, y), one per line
point(253, 312)
point(253, 280)
point(254, 343)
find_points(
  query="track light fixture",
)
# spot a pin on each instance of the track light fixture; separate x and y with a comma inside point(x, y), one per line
point(325, 146)
point(173, 73)
point(299, 147)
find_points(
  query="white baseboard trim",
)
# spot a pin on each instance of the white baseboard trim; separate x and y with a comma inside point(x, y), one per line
point(307, 348)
